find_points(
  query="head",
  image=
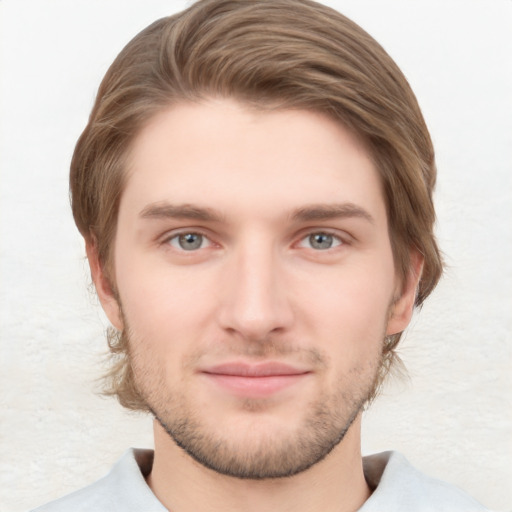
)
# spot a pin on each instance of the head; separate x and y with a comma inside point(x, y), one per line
point(272, 57)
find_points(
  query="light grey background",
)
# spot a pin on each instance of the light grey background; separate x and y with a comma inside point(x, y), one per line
point(453, 418)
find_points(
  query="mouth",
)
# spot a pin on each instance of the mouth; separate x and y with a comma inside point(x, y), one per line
point(255, 380)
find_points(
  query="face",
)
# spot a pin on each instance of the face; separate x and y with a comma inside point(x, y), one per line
point(256, 283)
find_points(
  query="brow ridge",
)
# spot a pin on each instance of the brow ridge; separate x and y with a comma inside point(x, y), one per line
point(165, 210)
point(331, 211)
point(316, 212)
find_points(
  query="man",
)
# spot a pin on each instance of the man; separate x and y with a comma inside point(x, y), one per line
point(254, 187)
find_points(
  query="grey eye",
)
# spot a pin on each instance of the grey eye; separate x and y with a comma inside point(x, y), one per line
point(188, 241)
point(321, 241)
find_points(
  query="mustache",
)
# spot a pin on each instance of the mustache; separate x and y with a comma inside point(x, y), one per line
point(273, 346)
point(270, 348)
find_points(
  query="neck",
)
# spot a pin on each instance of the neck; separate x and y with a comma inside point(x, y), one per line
point(335, 484)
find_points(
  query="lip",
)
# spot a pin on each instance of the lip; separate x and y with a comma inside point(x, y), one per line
point(258, 380)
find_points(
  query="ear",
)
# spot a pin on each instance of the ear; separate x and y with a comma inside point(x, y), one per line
point(401, 310)
point(103, 286)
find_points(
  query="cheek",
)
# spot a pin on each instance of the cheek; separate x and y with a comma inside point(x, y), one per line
point(163, 305)
point(351, 308)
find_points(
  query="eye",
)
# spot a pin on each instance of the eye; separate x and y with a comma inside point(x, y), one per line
point(320, 241)
point(189, 241)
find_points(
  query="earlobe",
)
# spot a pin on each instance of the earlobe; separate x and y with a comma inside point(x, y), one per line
point(104, 289)
point(402, 308)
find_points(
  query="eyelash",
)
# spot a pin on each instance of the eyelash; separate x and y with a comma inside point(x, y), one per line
point(337, 240)
point(176, 236)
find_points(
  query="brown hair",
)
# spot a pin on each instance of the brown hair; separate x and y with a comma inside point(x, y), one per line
point(271, 54)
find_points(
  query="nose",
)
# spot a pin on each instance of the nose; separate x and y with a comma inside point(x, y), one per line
point(254, 302)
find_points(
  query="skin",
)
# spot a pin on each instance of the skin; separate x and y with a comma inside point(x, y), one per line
point(291, 268)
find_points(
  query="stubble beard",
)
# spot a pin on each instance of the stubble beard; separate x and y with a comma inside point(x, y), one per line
point(268, 456)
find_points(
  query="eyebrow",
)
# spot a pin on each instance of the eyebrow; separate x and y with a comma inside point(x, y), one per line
point(331, 211)
point(165, 210)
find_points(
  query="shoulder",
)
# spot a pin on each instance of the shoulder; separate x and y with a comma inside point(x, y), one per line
point(122, 489)
point(401, 487)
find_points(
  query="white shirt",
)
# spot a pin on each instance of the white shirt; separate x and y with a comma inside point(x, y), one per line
point(398, 487)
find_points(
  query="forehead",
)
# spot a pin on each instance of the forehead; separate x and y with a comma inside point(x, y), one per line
point(224, 155)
